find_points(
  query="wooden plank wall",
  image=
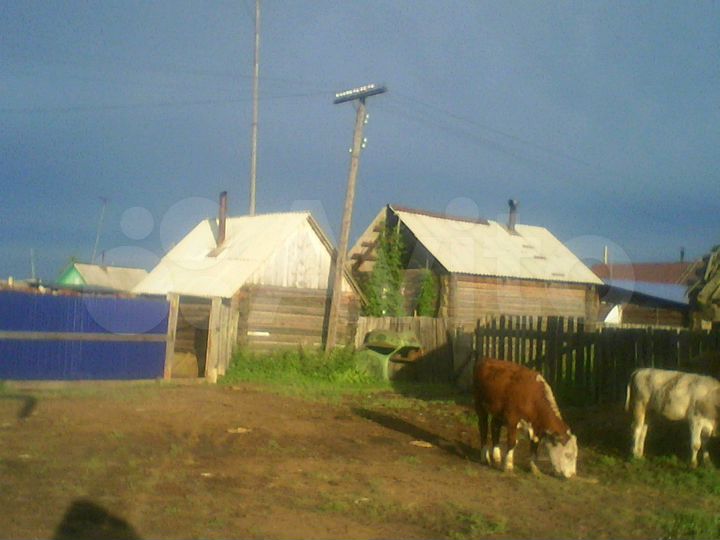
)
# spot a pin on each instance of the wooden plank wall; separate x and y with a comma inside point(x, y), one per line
point(272, 317)
point(472, 297)
point(588, 367)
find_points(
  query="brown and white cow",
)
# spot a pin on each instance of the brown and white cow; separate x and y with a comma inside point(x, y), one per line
point(518, 397)
point(676, 396)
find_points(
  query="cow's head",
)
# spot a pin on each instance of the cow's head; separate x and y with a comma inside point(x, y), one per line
point(563, 452)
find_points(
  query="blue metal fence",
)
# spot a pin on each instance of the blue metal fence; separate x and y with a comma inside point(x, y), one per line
point(48, 337)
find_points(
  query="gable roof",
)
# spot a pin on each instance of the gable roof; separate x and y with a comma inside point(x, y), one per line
point(487, 248)
point(196, 266)
point(117, 278)
point(678, 273)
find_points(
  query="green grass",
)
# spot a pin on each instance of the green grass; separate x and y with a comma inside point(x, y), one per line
point(666, 473)
point(309, 373)
point(314, 374)
point(691, 524)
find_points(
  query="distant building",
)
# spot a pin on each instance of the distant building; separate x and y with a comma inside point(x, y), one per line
point(646, 293)
point(100, 277)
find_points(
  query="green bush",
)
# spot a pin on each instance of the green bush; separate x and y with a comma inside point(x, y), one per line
point(428, 295)
point(383, 287)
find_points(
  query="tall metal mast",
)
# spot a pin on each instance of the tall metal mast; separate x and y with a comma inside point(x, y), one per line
point(256, 77)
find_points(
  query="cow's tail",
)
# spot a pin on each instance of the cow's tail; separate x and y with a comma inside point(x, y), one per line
point(629, 392)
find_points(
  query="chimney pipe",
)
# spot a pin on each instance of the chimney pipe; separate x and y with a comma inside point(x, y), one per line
point(512, 218)
point(222, 218)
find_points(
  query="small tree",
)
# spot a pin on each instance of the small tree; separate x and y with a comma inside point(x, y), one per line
point(383, 288)
point(428, 294)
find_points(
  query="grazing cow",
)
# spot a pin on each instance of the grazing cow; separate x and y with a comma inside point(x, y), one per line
point(676, 396)
point(518, 397)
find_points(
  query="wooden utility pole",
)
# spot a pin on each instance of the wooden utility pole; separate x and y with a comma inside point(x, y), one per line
point(256, 84)
point(359, 94)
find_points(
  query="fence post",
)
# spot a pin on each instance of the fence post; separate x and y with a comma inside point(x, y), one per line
point(213, 344)
point(174, 301)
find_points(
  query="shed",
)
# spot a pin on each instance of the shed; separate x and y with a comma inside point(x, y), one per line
point(273, 268)
point(647, 293)
point(98, 276)
point(485, 268)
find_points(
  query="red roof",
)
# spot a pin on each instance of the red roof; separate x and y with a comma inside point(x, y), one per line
point(680, 273)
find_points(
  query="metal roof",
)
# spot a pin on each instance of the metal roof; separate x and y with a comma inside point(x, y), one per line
point(111, 277)
point(661, 291)
point(670, 273)
point(487, 248)
point(195, 266)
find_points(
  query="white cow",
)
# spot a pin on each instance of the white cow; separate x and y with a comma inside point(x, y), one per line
point(676, 396)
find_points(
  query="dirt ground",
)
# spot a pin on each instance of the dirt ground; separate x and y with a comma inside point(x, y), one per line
point(201, 461)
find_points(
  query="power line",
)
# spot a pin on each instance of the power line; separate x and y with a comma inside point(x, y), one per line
point(159, 104)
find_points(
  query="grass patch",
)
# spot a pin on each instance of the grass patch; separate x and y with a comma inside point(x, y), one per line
point(312, 374)
point(466, 525)
point(691, 524)
point(665, 473)
point(308, 373)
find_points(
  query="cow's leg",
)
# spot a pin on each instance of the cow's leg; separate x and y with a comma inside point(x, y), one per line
point(534, 443)
point(700, 431)
point(695, 441)
point(639, 430)
point(483, 428)
point(511, 428)
point(496, 426)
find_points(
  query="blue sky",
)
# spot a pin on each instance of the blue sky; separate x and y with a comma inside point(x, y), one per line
point(601, 118)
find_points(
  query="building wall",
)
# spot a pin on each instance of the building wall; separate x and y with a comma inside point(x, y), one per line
point(471, 297)
point(303, 261)
point(632, 314)
point(273, 317)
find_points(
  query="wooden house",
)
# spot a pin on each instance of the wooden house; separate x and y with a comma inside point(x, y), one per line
point(273, 268)
point(484, 268)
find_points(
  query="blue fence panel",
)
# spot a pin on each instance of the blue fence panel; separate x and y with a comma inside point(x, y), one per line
point(70, 359)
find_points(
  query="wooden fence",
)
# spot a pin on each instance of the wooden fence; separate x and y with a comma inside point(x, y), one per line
point(588, 367)
point(584, 365)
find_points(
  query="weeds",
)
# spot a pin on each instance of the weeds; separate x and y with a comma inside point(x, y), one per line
point(468, 524)
point(691, 524)
point(665, 473)
point(301, 372)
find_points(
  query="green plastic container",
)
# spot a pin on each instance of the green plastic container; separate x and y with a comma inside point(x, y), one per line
point(387, 354)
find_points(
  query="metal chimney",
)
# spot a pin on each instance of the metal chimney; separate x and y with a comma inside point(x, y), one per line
point(512, 217)
point(222, 218)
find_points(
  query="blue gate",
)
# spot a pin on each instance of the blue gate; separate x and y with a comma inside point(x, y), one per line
point(49, 337)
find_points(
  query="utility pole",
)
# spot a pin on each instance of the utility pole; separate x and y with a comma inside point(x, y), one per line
point(256, 85)
point(359, 94)
point(99, 227)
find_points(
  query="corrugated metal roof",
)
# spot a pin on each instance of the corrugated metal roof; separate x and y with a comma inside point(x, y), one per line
point(489, 249)
point(112, 277)
point(671, 273)
point(196, 267)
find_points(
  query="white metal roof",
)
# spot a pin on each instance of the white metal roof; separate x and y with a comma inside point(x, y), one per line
point(112, 277)
point(192, 268)
point(489, 249)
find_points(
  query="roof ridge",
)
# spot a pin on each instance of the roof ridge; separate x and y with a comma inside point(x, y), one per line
point(478, 221)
